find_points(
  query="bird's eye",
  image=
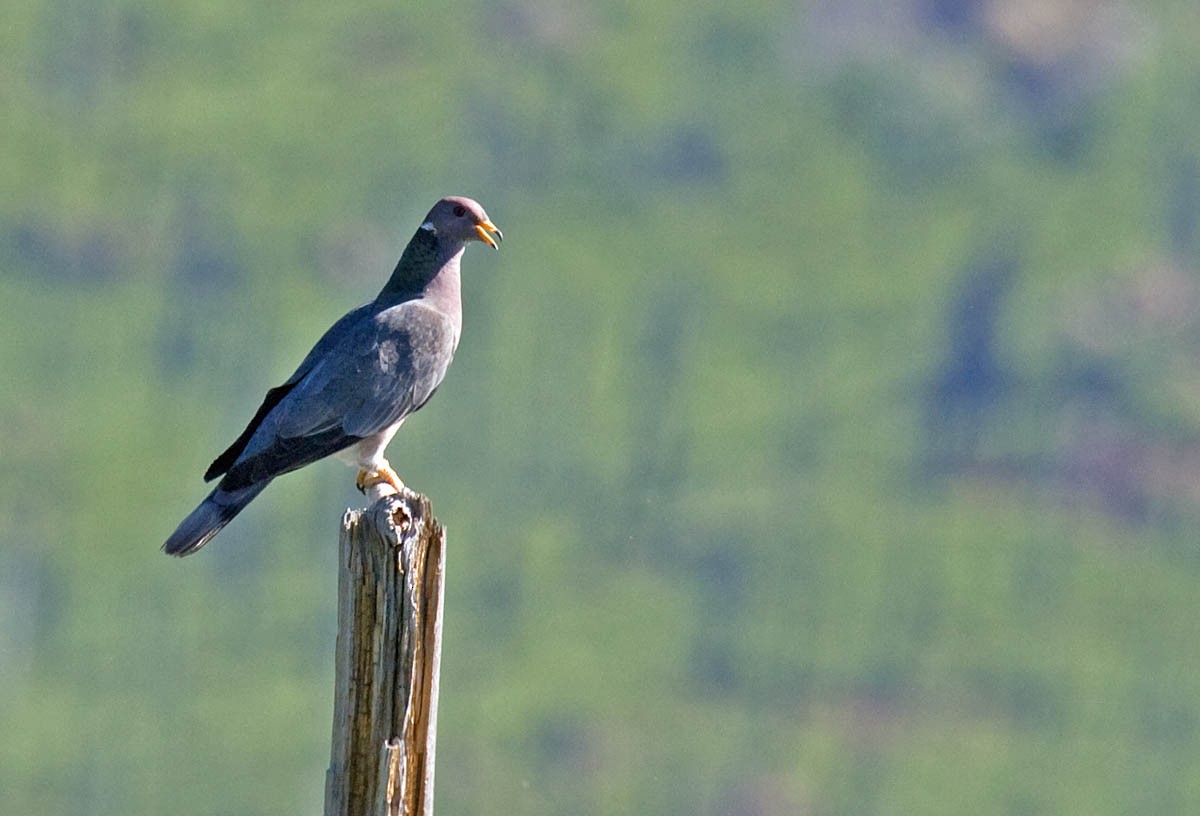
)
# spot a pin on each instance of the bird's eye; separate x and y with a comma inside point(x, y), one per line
point(460, 210)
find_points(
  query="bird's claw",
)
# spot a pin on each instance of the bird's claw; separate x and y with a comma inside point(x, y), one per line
point(369, 477)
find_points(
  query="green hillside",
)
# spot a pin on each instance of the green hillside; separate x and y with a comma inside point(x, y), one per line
point(825, 438)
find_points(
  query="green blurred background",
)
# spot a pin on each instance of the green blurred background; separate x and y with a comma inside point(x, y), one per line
point(825, 439)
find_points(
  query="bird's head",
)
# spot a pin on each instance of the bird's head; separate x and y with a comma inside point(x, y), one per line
point(456, 218)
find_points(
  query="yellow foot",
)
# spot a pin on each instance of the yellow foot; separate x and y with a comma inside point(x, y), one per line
point(375, 476)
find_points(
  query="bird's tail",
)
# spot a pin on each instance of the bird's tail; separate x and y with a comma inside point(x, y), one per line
point(209, 518)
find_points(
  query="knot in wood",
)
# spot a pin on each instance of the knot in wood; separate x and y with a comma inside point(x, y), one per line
point(398, 517)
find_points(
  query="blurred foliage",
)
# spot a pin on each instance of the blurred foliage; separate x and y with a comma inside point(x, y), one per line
point(825, 439)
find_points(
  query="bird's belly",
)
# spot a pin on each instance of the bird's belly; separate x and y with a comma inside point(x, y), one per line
point(368, 453)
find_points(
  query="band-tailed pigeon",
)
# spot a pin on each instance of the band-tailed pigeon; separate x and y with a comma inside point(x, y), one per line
point(373, 368)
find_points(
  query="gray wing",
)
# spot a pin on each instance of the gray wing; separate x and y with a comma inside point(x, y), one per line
point(335, 335)
point(380, 368)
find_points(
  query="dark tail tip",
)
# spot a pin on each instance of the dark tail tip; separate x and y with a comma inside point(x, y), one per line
point(209, 519)
point(180, 545)
point(198, 528)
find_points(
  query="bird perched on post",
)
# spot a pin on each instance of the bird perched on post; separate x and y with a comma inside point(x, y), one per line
point(374, 367)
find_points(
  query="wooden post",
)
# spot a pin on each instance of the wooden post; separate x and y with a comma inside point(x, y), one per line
point(389, 645)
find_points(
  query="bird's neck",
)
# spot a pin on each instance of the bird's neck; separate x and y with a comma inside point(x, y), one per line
point(428, 269)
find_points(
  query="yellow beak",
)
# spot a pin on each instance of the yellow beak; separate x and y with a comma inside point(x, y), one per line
point(485, 230)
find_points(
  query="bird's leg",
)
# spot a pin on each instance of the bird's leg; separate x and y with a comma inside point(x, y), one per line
point(382, 474)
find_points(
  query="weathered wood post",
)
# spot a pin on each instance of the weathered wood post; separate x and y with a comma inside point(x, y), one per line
point(390, 581)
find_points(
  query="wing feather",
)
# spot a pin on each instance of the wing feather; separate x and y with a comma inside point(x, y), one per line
point(384, 367)
point(223, 462)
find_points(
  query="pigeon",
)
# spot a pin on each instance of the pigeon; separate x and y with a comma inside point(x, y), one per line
point(373, 368)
